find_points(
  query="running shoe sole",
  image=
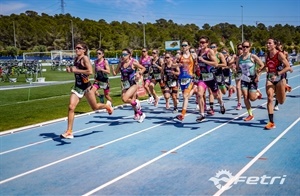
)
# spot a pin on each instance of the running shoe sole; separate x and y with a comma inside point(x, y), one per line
point(67, 136)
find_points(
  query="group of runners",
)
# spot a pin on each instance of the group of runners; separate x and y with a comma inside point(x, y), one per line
point(206, 73)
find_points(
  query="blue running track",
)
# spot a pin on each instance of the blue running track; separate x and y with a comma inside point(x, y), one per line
point(115, 155)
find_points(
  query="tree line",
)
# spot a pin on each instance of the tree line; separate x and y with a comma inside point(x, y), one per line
point(31, 32)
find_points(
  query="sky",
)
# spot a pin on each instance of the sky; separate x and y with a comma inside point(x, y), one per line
point(199, 12)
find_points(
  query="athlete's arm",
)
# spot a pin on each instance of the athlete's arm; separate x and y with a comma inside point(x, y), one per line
point(107, 69)
point(284, 61)
point(222, 61)
point(213, 59)
point(117, 70)
point(138, 66)
point(258, 62)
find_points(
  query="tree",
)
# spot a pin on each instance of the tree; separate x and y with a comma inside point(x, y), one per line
point(12, 51)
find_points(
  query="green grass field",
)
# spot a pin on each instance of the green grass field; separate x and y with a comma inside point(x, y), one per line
point(28, 106)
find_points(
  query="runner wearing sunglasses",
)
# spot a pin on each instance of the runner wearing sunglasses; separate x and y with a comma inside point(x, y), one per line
point(131, 71)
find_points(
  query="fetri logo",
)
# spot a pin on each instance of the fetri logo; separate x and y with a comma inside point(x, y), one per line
point(223, 176)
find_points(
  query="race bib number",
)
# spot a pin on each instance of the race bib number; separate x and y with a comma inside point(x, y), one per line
point(219, 78)
point(157, 76)
point(78, 92)
point(171, 83)
point(185, 81)
point(103, 85)
point(245, 78)
point(271, 75)
point(207, 76)
point(125, 85)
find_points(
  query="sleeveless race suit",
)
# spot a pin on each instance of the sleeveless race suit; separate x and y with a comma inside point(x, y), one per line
point(219, 73)
point(248, 73)
point(207, 73)
point(82, 81)
point(101, 79)
point(274, 65)
point(169, 78)
point(146, 62)
point(186, 72)
point(127, 76)
point(155, 71)
point(227, 73)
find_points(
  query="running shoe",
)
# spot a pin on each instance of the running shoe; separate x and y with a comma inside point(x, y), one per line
point(136, 116)
point(239, 106)
point(222, 109)
point(200, 118)
point(110, 109)
point(175, 110)
point(142, 117)
point(276, 108)
point(179, 117)
point(210, 112)
point(249, 118)
point(67, 135)
point(270, 125)
point(150, 100)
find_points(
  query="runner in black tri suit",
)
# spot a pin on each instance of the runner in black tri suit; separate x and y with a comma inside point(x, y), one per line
point(82, 69)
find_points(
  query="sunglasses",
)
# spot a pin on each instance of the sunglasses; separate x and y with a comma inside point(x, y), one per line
point(240, 48)
point(202, 42)
point(224, 52)
point(78, 48)
point(184, 45)
point(167, 57)
point(246, 46)
point(154, 53)
point(213, 46)
point(125, 54)
point(144, 51)
point(99, 53)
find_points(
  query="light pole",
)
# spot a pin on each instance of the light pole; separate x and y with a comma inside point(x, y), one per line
point(72, 30)
point(242, 23)
point(144, 33)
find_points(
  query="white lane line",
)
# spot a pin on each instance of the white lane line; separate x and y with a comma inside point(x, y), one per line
point(40, 142)
point(246, 167)
point(157, 158)
point(80, 153)
point(113, 141)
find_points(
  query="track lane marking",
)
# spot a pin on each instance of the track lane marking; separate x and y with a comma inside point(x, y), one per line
point(246, 167)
